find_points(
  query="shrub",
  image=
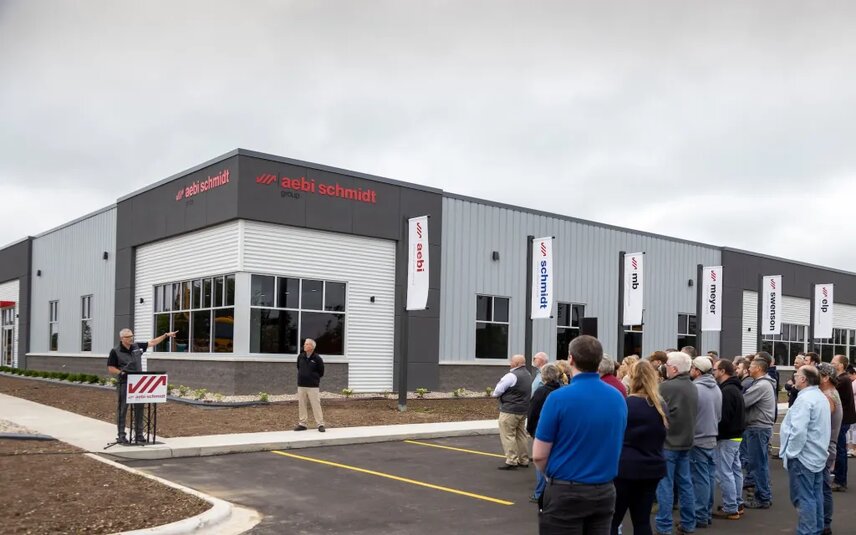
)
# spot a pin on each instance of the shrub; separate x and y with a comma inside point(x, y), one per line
point(183, 390)
point(488, 390)
point(200, 393)
point(347, 392)
point(458, 392)
point(420, 392)
point(92, 379)
point(218, 397)
point(264, 397)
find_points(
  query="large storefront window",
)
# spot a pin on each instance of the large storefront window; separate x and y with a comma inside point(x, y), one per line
point(785, 347)
point(841, 343)
point(284, 311)
point(201, 310)
point(568, 325)
point(491, 327)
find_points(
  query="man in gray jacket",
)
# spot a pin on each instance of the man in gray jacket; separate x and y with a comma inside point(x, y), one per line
point(702, 463)
point(760, 403)
point(682, 399)
point(514, 391)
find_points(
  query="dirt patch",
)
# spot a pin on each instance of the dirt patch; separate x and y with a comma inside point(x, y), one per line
point(181, 420)
point(51, 487)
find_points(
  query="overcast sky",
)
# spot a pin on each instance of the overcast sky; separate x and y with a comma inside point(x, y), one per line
point(729, 123)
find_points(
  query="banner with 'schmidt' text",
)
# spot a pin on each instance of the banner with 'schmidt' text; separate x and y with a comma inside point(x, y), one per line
point(542, 278)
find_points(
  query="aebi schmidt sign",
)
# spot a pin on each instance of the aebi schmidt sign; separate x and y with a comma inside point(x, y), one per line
point(295, 186)
point(146, 388)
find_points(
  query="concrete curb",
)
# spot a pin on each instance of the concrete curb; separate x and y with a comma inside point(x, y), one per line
point(218, 516)
point(285, 440)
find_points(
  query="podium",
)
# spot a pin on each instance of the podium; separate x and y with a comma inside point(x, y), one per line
point(144, 391)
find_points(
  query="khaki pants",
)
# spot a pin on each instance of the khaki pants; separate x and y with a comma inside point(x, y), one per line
point(309, 395)
point(512, 435)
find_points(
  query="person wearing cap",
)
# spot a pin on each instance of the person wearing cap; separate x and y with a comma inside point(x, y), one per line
point(682, 399)
point(828, 383)
point(805, 435)
point(708, 414)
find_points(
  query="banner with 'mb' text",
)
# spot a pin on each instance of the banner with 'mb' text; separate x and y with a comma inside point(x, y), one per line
point(542, 278)
point(823, 311)
point(711, 291)
point(417, 263)
point(771, 317)
point(633, 286)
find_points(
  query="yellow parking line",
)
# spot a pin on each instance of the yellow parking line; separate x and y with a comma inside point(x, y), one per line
point(396, 478)
point(454, 449)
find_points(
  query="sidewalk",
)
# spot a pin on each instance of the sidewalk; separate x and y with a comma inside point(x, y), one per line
point(93, 435)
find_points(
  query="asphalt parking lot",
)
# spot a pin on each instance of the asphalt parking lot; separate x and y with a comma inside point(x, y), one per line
point(411, 487)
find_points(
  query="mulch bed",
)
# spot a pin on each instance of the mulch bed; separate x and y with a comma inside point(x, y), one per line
point(181, 420)
point(51, 487)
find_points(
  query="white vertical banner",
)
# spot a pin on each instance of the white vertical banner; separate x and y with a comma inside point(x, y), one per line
point(771, 306)
point(823, 311)
point(417, 263)
point(542, 278)
point(711, 310)
point(633, 280)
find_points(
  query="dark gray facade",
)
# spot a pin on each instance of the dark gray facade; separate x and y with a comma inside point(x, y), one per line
point(742, 270)
point(16, 263)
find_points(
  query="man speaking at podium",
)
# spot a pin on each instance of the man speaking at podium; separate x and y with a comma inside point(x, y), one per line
point(127, 357)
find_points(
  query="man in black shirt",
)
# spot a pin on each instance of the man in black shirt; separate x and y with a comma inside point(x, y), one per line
point(845, 391)
point(310, 370)
point(127, 357)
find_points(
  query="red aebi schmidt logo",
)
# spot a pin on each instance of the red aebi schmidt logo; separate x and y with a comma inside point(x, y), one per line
point(293, 187)
point(201, 186)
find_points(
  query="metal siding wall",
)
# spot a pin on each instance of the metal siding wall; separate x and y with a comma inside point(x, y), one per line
point(72, 265)
point(211, 251)
point(750, 322)
point(10, 291)
point(586, 258)
point(367, 265)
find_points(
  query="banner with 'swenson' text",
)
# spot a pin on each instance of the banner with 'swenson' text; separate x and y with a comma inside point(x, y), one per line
point(542, 278)
point(771, 306)
point(417, 263)
point(711, 310)
point(823, 311)
point(633, 282)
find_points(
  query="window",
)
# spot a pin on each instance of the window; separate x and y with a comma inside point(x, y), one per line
point(201, 310)
point(286, 310)
point(785, 347)
point(86, 323)
point(837, 345)
point(687, 331)
point(491, 327)
point(53, 308)
point(568, 324)
point(7, 336)
point(632, 340)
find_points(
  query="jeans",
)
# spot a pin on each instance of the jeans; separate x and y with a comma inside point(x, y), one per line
point(702, 468)
point(840, 470)
point(677, 470)
point(729, 474)
point(637, 495)
point(540, 483)
point(576, 509)
point(757, 442)
point(807, 497)
point(827, 498)
point(744, 462)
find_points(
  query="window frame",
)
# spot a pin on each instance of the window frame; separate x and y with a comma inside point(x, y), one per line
point(53, 325)
point(492, 321)
point(85, 322)
point(179, 298)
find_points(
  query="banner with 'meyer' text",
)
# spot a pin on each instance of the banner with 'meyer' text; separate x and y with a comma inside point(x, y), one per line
point(542, 278)
point(711, 310)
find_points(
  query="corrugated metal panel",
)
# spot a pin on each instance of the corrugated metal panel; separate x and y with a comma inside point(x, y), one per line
point(844, 316)
point(367, 265)
point(72, 263)
point(10, 291)
point(794, 310)
point(750, 322)
point(211, 251)
point(586, 258)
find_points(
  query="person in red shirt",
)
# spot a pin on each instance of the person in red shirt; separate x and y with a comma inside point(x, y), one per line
point(606, 369)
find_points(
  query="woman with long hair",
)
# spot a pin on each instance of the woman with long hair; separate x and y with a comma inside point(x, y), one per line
point(642, 463)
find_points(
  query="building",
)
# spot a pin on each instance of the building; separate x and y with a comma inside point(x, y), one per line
point(248, 253)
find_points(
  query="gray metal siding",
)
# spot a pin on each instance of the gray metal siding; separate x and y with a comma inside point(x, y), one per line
point(586, 260)
point(71, 260)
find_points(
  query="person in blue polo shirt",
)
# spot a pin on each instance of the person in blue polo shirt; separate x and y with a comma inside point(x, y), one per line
point(577, 446)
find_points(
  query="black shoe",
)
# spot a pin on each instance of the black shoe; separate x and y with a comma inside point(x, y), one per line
point(321, 429)
point(521, 465)
point(300, 428)
point(507, 467)
point(122, 440)
point(757, 505)
point(140, 440)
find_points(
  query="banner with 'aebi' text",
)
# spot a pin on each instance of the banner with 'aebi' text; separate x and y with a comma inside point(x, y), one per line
point(417, 263)
point(711, 291)
point(542, 278)
point(633, 281)
point(771, 318)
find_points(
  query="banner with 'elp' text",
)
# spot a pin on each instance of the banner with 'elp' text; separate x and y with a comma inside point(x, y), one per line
point(542, 278)
point(771, 317)
point(633, 286)
point(823, 311)
point(417, 263)
point(711, 291)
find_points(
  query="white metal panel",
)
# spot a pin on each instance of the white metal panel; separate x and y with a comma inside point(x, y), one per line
point(795, 310)
point(367, 265)
point(10, 291)
point(750, 323)
point(72, 265)
point(586, 263)
point(205, 252)
point(844, 316)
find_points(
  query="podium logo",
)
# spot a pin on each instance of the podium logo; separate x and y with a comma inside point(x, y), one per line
point(147, 385)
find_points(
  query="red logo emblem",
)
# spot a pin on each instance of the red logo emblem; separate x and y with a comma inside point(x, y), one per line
point(713, 275)
point(543, 249)
point(267, 179)
point(634, 263)
point(773, 284)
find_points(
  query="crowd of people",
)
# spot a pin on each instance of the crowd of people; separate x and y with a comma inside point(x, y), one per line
point(614, 438)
